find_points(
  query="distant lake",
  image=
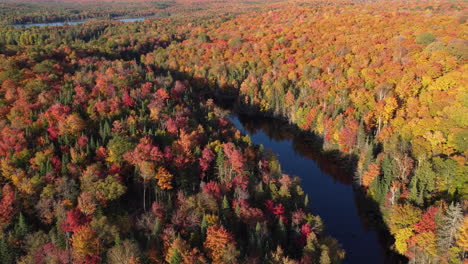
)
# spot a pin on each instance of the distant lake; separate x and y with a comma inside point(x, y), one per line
point(55, 24)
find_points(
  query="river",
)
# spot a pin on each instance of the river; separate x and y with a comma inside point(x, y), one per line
point(330, 190)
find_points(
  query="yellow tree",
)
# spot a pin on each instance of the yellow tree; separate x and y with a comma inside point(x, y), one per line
point(85, 244)
point(462, 238)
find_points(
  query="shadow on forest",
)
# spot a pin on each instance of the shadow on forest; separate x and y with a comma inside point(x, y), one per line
point(305, 143)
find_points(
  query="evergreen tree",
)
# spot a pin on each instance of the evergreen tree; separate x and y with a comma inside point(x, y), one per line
point(21, 228)
point(204, 225)
point(176, 257)
point(6, 254)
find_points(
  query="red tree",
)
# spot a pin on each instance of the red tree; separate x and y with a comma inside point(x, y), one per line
point(6, 205)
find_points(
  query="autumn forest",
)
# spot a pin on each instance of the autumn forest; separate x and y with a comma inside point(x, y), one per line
point(118, 142)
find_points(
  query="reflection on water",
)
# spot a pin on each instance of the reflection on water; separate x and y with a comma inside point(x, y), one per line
point(56, 24)
point(345, 212)
point(52, 24)
point(306, 146)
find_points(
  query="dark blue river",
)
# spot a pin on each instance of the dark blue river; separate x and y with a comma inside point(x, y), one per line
point(331, 194)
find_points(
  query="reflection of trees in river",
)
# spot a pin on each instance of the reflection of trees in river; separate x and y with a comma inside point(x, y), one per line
point(307, 145)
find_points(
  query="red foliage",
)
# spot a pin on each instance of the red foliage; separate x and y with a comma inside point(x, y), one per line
point(298, 216)
point(101, 153)
point(146, 88)
point(127, 100)
point(158, 210)
point(144, 151)
point(347, 136)
point(213, 189)
point(306, 230)
point(81, 95)
point(75, 219)
point(277, 210)
point(82, 141)
point(114, 169)
point(162, 94)
point(171, 126)
point(241, 182)
point(249, 215)
point(56, 113)
point(56, 163)
point(50, 252)
point(235, 157)
point(6, 205)
point(207, 157)
point(53, 133)
point(11, 140)
point(178, 90)
point(92, 260)
point(168, 156)
point(427, 222)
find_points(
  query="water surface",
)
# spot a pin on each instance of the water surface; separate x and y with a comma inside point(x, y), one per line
point(55, 24)
point(331, 194)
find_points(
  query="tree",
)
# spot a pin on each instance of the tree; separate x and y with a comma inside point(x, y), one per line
point(21, 227)
point(372, 172)
point(404, 215)
point(111, 188)
point(6, 205)
point(405, 165)
point(126, 252)
point(73, 125)
point(217, 243)
point(235, 157)
point(6, 252)
point(85, 244)
point(450, 224)
point(146, 173)
point(176, 257)
point(164, 178)
point(462, 237)
point(425, 38)
point(75, 219)
point(422, 182)
point(118, 146)
point(87, 203)
point(428, 221)
point(401, 239)
point(324, 256)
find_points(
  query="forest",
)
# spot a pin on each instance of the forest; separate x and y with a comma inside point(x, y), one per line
point(114, 147)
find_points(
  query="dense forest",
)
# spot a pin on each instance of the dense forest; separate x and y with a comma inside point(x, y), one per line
point(113, 150)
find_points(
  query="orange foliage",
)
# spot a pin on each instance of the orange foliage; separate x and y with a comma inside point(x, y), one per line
point(164, 178)
point(217, 241)
point(372, 171)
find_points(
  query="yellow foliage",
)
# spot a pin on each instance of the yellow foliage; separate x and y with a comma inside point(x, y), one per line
point(73, 125)
point(401, 237)
point(403, 215)
point(212, 219)
point(84, 243)
point(427, 242)
point(462, 237)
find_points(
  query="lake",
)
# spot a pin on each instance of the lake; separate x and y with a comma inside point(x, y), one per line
point(54, 24)
point(329, 187)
